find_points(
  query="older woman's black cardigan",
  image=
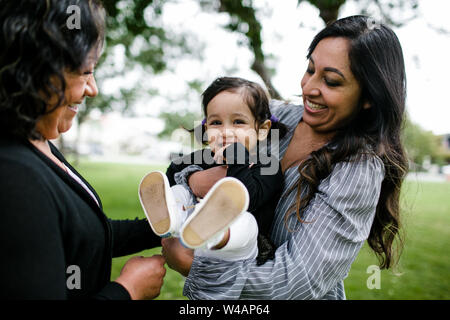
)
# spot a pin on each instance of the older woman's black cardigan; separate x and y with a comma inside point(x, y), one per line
point(52, 231)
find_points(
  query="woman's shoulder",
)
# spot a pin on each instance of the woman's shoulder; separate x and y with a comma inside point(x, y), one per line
point(281, 107)
point(23, 175)
point(286, 111)
point(18, 160)
point(368, 161)
point(354, 186)
point(362, 170)
point(12, 150)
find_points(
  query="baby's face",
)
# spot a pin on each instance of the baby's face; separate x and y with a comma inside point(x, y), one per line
point(230, 120)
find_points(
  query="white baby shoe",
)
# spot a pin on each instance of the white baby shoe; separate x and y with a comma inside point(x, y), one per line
point(206, 226)
point(159, 204)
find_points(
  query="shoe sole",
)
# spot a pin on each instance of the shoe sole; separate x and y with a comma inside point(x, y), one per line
point(153, 199)
point(221, 208)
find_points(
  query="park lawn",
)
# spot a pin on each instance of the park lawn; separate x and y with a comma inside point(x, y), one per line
point(423, 272)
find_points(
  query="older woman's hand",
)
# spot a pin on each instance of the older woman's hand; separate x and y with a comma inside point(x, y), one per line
point(143, 277)
point(177, 257)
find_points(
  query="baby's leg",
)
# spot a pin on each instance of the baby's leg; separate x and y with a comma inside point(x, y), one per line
point(185, 202)
point(243, 242)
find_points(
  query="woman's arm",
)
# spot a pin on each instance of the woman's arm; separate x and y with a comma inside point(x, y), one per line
point(131, 236)
point(178, 257)
point(317, 255)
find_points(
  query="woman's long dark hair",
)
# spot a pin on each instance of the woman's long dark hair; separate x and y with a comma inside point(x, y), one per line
point(38, 43)
point(376, 60)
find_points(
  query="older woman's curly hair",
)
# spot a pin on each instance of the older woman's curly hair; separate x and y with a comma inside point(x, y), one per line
point(37, 46)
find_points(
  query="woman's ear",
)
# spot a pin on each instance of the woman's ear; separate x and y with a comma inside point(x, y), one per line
point(366, 105)
point(264, 129)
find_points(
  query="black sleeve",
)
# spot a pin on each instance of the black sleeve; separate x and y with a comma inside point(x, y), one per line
point(203, 158)
point(33, 265)
point(113, 291)
point(171, 170)
point(131, 236)
point(262, 187)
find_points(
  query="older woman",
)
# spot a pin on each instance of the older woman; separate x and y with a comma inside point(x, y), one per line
point(55, 240)
point(343, 164)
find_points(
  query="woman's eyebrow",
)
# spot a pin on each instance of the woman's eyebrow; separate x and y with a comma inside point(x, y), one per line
point(330, 69)
point(334, 70)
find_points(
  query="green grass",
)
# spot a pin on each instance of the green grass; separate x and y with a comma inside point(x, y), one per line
point(424, 266)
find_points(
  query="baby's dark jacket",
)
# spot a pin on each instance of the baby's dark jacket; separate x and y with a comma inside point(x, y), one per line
point(263, 178)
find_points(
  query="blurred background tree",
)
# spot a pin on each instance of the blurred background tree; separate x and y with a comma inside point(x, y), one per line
point(136, 31)
point(422, 145)
point(244, 20)
point(173, 121)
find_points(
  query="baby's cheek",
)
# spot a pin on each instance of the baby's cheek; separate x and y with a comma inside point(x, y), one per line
point(246, 136)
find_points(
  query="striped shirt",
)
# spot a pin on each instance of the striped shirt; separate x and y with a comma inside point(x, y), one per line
point(312, 259)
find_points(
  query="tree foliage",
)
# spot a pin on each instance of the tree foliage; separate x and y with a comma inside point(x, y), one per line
point(173, 121)
point(422, 144)
point(244, 21)
point(328, 9)
point(136, 27)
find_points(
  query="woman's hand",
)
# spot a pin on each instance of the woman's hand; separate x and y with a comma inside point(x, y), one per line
point(143, 277)
point(201, 181)
point(177, 257)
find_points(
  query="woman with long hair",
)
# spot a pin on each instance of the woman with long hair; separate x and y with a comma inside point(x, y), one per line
point(343, 164)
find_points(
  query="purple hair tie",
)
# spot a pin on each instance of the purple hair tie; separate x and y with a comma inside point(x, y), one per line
point(203, 121)
point(274, 119)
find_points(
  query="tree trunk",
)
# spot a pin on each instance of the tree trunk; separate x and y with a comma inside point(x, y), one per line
point(329, 9)
point(329, 14)
point(260, 68)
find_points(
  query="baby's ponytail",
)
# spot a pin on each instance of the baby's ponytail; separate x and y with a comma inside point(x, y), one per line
point(277, 125)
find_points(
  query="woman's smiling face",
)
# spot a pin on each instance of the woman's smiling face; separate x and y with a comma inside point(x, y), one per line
point(331, 93)
point(79, 84)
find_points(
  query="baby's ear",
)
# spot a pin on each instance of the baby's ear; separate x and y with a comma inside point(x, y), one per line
point(264, 129)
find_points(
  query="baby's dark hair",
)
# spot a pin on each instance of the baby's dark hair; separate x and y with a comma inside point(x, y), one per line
point(253, 95)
